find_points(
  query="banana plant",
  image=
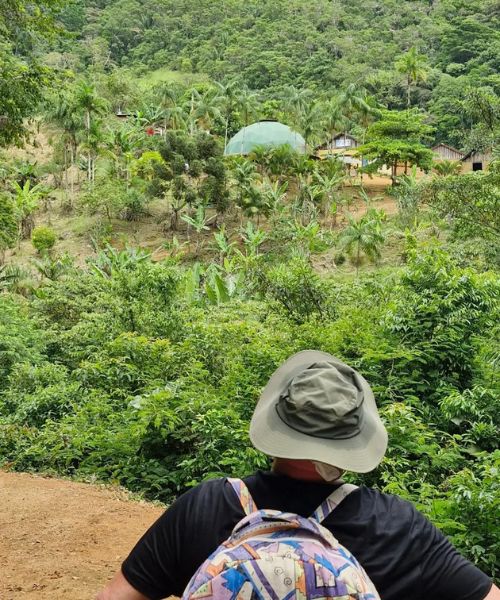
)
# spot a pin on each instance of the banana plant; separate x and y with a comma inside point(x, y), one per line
point(307, 237)
point(199, 223)
point(27, 200)
point(275, 194)
point(223, 245)
point(253, 238)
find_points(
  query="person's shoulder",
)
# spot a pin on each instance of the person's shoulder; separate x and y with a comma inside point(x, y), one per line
point(207, 487)
point(386, 503)
point(202, 493)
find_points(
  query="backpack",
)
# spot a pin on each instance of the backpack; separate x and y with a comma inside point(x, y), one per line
point(273, 555)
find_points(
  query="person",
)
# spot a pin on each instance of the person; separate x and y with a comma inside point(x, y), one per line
point(318, 418)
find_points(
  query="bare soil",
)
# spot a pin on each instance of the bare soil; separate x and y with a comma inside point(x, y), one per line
point(62, 539)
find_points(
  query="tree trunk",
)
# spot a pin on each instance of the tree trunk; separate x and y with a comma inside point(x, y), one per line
point(65, 177)
point(89, 168)
point(72, 162)
point(192, 115)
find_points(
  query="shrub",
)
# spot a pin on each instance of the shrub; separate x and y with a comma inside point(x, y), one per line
point(298, 290)
point(120, 371)
point(43, 239)
point(8, 224)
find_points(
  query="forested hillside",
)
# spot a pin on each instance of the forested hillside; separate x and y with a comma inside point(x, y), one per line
point(323, 45)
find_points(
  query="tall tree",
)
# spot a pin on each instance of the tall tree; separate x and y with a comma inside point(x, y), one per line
point(311, 122)
point(229, 103)
point(22, 78)
point(415, 68)
point(334, 120)
point(353, 101)
point(398, 138)
point(248, 105)
point(205, 108)
point(63, 113)
point(296, 101)
point(91, 105)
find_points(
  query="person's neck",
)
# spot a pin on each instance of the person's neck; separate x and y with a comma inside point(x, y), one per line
point(296, 469)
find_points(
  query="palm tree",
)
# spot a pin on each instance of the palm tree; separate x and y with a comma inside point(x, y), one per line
point(261, 156)
point(92, 105)
point(328, 185)
point(94, 145)
point(204, 109)
point(64, 113)
point(447, 167)
point(176, 118)
point(333, 121)
point(168, 94)
point(247, 103)
point(245, 175)
point(122, 144)
point(150, 115)
point(311, 122)
point(353, 101)
point(90, 102)
point(281, 161)
point(363, 237)
point(307, 200)
point(296, 101)
point(415, 67)
point(229, 96)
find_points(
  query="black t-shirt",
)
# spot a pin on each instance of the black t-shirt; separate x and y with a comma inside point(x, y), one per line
point(406, 557)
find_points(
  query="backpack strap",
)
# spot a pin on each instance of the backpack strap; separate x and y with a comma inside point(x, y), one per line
point(333, 500)
point(244, 495)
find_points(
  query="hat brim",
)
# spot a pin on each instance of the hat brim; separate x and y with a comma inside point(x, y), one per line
point(274, 437)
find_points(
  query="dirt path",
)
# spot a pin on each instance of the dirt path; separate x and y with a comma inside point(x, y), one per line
point(61, 539)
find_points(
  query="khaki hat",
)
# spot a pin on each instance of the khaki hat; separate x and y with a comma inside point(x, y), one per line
point(315, 407)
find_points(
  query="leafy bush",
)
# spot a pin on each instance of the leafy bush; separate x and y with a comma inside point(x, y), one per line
point(43, 239)
point(121, 371)
point(471, 202)
point(8, 223)
point(21, 338)
point(298, 290)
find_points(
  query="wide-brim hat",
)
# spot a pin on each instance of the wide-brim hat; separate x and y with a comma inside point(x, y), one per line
point(298, 416)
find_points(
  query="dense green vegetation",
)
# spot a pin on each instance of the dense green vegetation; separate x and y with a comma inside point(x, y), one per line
point(142, 366)
point(135, 372)
point(324, 46)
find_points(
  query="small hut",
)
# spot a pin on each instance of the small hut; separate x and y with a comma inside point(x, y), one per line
point(343, 147)
point(343, 144)
point(445, 152)
point(476, 160)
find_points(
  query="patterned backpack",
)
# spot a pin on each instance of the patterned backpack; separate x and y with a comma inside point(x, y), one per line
point(273, 555)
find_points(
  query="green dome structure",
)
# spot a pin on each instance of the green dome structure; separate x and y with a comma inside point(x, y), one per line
point(264, 133)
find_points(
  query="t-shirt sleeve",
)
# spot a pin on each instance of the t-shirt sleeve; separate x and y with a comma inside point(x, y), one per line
point(446, 574)
point(168, 554)
point(152, 566)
